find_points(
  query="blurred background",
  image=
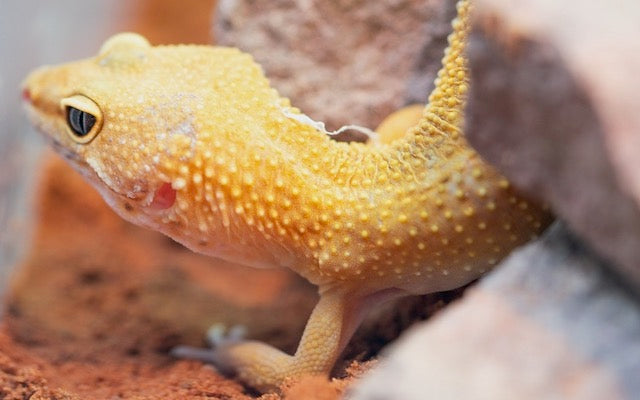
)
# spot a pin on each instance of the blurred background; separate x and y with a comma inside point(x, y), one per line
point(36, 32)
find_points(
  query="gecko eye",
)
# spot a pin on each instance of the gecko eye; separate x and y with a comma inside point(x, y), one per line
point(79, 121)
point(83, 117)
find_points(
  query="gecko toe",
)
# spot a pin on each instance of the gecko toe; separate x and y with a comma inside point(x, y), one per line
point(194, 353)
point(219, 336)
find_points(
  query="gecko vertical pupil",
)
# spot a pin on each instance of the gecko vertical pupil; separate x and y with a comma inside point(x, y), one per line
point(80, 121)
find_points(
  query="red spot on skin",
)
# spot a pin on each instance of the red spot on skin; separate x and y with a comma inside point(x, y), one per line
point(26, 95)
point(164, 198)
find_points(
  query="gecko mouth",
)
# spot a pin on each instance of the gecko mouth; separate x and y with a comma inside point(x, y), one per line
point(43, 115)
point(66, 153)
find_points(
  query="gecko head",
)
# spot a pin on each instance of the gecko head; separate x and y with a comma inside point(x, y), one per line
point(132, 118)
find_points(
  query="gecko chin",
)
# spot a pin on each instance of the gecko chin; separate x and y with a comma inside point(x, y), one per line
point(126, 207)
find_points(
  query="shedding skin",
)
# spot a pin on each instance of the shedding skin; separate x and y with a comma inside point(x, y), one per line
point(193, 142)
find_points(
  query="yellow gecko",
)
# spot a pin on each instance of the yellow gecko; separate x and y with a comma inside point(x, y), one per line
point(193, 142)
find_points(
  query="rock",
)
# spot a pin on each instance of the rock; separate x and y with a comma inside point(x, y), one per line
point(554, 104)
point(342, 62)
point(549, 323)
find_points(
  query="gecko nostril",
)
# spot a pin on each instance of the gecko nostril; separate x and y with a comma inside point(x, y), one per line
point(26, 94)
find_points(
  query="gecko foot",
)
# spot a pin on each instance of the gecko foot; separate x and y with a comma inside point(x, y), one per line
point(263, 366)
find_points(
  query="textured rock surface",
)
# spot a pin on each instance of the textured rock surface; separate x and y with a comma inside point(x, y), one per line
point(550, 323)
point(342, 62)
point(556, 109)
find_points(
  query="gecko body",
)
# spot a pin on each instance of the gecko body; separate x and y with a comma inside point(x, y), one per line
point(193, 142)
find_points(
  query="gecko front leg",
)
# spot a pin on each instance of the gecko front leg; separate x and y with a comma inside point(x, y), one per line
point(330, 326)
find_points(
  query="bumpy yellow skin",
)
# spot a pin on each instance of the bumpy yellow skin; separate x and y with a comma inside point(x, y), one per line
point(254, 184)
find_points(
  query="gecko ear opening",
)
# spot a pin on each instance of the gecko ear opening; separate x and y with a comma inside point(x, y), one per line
point(84, 118)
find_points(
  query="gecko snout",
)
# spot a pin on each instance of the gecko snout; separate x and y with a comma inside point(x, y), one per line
point(35, 91)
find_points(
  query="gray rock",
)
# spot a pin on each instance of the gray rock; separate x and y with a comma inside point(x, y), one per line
point(549, 323)
point(554, 104)
point(342, 62)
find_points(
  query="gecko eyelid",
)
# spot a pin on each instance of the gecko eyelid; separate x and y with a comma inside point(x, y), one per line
point(83, 118)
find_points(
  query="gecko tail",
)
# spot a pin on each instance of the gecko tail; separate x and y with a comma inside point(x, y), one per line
point(447, 100)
